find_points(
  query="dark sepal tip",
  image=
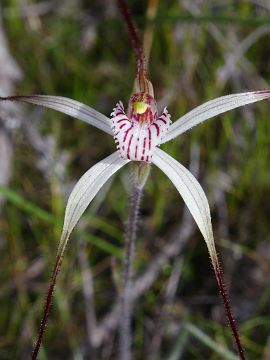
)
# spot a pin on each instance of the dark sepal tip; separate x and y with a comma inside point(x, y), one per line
point(228, 310)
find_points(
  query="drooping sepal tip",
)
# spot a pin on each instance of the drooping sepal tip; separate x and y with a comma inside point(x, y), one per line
point(228, 309)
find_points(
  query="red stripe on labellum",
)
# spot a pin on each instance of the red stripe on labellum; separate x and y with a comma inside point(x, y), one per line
point(144, 144)
point(129, 143)
point(126, 134)
point(121, 126)
point(150, 138)
point(163, 120)
point(136, 150)
point(157, 127)
point(121, 120)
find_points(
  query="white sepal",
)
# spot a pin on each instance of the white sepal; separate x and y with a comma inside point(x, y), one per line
point(192, 194)
point(70, 107)
point(213, 108)
point(85, 190)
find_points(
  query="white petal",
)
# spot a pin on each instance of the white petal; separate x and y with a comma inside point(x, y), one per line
point(69, 107)
point(192, 194)
point(84, 192)
point(213, 108)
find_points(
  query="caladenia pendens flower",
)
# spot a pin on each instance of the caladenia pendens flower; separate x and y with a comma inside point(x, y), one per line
point(138, 135)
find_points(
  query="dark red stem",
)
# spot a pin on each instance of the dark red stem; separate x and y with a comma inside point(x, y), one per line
point(47, 307)
point(133, 34)
point(228, 310)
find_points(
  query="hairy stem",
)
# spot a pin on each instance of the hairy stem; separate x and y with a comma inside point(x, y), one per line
point(47, 307)
point(141, 172)
point(228, 310)
point(133, 35)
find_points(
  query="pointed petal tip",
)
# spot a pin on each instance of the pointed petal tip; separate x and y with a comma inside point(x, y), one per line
point(9, 98)
point(19, 97)
point(262, 92)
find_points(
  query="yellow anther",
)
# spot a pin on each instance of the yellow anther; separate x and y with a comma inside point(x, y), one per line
point(140, 107)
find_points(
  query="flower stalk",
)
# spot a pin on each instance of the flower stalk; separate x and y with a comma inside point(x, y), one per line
point(140, 174)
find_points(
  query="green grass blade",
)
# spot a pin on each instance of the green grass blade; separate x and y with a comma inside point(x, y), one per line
point(25, 205)
point(104, 245)
point(206, 340)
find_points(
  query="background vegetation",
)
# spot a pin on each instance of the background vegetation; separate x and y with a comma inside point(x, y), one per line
point(79, 49)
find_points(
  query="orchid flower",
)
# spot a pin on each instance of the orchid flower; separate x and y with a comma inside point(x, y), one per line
point(138, 133)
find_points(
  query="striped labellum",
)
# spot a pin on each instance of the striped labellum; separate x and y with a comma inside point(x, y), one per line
point(138, 133)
